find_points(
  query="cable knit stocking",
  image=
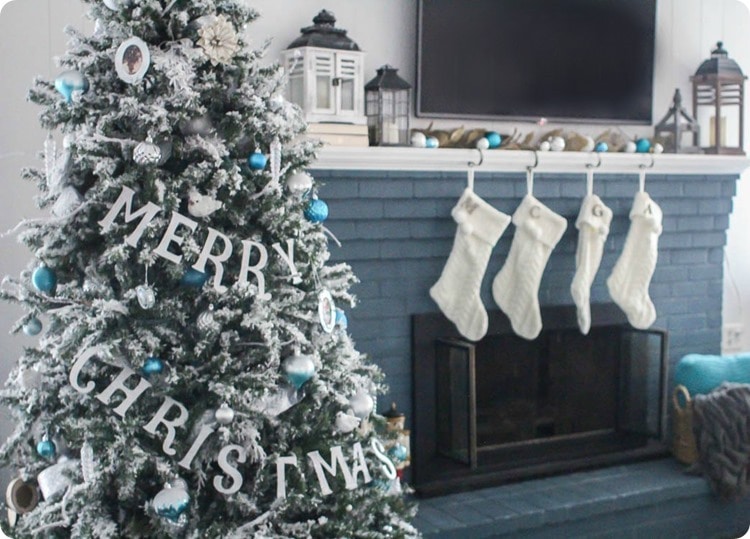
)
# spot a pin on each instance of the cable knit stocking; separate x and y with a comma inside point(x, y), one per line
point(631, 276)
point(593, 227)
point(457, 291)
point(516, 286)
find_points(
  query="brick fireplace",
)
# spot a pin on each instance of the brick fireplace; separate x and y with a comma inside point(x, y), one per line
point(393, 219)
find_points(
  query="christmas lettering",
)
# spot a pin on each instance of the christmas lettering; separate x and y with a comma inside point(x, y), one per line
point(171, 236)
point(173, 415)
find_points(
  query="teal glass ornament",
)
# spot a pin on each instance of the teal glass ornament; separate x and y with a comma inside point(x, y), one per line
point(494, 139)
point(172, 501)
point(69, 82)
point(341, 319)
point(193, 278)
point(257, 161)
point(398, 453)
point(152, 365)
point(46, 448)
point(299, 369)
point(316, 210)
point(44, 279)
point(601, 147)
point(32, 327)
point(432, 142)
point(642, 145)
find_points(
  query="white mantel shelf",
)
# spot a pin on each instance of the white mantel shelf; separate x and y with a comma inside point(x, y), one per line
point(446, 160)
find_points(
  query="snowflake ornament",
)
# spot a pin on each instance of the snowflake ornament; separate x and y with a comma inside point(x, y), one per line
point(219, 40)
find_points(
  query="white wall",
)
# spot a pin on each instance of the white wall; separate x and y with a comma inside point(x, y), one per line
point(31, 34)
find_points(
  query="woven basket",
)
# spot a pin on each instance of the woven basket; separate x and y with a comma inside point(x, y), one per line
point(684, 447)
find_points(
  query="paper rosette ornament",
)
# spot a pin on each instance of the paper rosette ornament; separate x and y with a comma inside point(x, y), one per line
point(218, 39)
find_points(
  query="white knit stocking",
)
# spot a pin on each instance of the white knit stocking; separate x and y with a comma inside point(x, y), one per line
point(516, 286)
point(593, 227)
point(628, 284)
point(457, 291)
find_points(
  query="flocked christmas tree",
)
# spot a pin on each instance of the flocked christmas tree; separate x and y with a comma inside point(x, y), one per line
point(193, 376)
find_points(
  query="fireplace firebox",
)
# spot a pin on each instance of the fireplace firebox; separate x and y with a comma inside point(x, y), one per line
point(504, 408)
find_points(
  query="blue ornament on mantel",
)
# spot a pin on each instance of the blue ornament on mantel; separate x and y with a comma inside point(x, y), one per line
point(172, 501)
point(494, 139)
point(642, 145)
point(193, 278)
point(153, 365)
point(316, 210)
point(432, 142)
point(46, 448)
point(257, 161)
point(69, 82)
point(601, 147)
point(32, 327)
point(44, 279)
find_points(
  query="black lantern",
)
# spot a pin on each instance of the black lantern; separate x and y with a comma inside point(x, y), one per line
point(718, 103)
point(676, 123)
point(387, 100)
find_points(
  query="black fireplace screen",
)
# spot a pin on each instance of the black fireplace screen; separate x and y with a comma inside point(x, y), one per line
point(506, 408)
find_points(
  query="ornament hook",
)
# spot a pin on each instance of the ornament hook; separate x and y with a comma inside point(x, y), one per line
point(650, 165)
point(598, 162)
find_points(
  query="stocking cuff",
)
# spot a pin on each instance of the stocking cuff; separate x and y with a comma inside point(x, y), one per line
point(475, 216)
point(646, 209)
point(595, 214)
point(539, 221)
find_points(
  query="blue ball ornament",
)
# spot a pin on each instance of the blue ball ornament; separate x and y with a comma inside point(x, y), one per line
point(642, 145)
point(44, 279)
point(153, 365)
point(494, 139)
point(32, 327)
point(316, 211)
point(398, 453)
point(193, 278)
point(46, 448)
point(601, 147)
point(257, 161)
point(70, 82)
point(341, 319)
point(432, 142)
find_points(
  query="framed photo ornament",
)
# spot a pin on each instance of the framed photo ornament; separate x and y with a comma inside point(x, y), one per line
point(326, 311)
point(132, 60)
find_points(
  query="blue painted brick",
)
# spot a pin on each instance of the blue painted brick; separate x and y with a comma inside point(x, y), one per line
point(356, 209)
point(708, 239)
point(432, 228)
point(542, 189)
point(716, 206)
point(412, 209)
point(439, 188)
point(702, 189)
point(374, 188)
point(381, 229)
point(721, 222)
point(729, 188)
point(682, 206)
point(492, 188)
point(695, 222)
point(687, 322)
point(688, 256)
point(356, 250)
point(339, 189)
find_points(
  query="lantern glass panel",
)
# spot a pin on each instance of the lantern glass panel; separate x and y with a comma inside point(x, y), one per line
point(297, 91)
point(323, 92)
point(347, 94)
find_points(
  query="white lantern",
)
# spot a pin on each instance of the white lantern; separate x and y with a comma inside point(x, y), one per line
point(326, 73)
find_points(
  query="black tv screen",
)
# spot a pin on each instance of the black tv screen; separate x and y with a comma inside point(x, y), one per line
point(566, 60)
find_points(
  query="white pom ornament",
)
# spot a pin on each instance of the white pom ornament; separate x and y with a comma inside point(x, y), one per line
point(629, 147)
point(483, 143)
point(544, 146)
point(657, 148)
point(418, 140)
point(557, 144)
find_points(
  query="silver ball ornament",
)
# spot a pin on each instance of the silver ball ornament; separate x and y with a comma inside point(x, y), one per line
point(544, 146)
point(206, 321)
point(147, 153)
point(629, 147)
point(657, 148)
point(224, 415)
point(362, 404)
point(32, 327)
point(299, 369)
point(146, 296)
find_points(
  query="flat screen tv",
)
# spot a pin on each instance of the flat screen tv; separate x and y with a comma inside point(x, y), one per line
point(565, 60)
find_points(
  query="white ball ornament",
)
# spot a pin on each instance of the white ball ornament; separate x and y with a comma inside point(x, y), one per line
point(114, 5)
point(629, 147)
point(299, 183)
point(557, 144)
point(544, 146)
point(224, 415)
point(657, 148)
point(362, 404)
point(589, 144)
point(483, 144)
point(418, 140)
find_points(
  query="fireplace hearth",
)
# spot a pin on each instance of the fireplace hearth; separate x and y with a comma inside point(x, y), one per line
point(504, 408)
